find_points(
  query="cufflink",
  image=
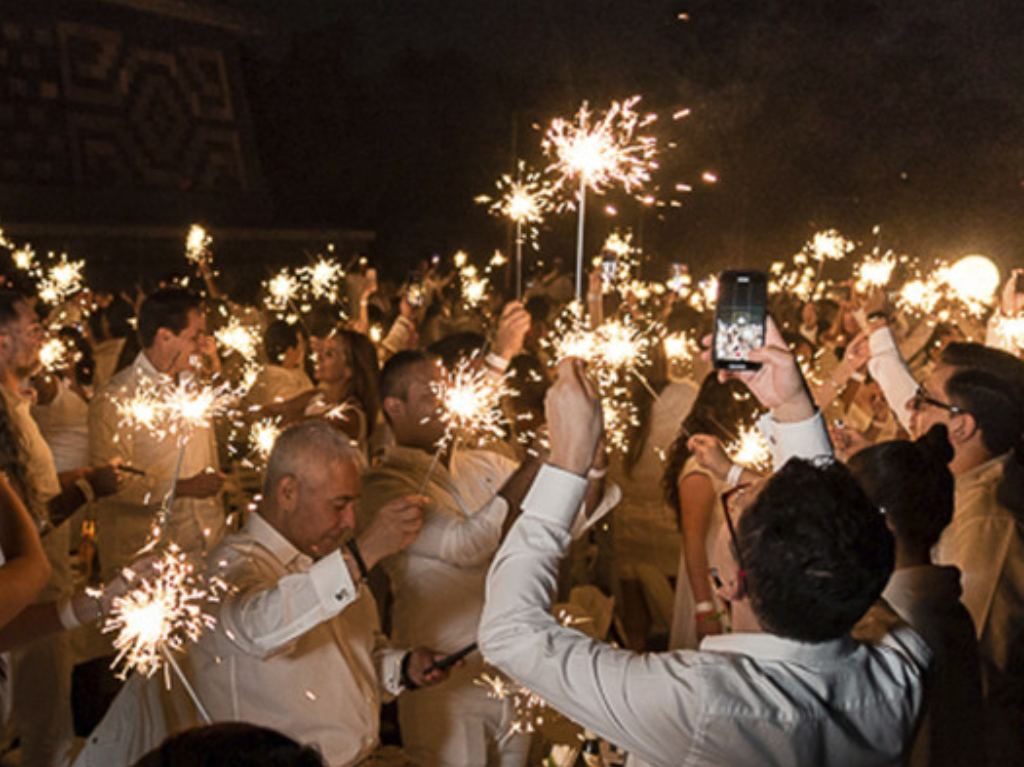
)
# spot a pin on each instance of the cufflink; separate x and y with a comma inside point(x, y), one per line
point(340, 596)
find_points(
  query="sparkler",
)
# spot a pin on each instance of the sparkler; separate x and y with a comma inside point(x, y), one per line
point(523, 200)
point(197, 245)
point(282, 290)
point(600, 153)
point(159, 617)
point(24, 258)
point(61, 280)
point(875, 272)
point(243, 340)
point(56, 354)
point(263, 435)
point(469, 407)
point(973, 280)
point(751, 449)
point(324, 279)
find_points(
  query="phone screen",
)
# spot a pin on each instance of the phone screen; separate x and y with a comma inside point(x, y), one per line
point(739, 319)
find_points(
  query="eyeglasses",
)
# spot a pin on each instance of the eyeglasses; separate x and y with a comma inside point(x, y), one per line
point(727, 497)
point(921, 398)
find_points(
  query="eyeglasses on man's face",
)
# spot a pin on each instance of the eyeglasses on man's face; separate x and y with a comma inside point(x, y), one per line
point(922, 398)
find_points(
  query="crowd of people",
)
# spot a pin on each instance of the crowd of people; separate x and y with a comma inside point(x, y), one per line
point(857, 598)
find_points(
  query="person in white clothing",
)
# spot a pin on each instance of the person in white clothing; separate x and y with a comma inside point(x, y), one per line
point(977, 393)
point(283, 378)
point(800, 561)
point(438, 582)
point(912, 485)
point(171, 327)
point(296, 647)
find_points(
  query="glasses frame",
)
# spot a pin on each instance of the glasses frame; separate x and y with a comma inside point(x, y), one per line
point(726, 497)
point(921, 397)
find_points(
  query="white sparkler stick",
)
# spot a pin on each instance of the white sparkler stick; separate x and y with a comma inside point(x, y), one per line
point(519, 260)
point(196, 701)
point(579, 237)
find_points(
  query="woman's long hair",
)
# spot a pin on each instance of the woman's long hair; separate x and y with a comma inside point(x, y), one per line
point(719, 410)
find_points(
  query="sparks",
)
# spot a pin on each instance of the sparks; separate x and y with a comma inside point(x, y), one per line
point(56, 354)
point(243, 340)
point(324, 279)
point(602, 151)
point(282, 290)
point(263, 435)
point(828, 245)
point(751, 449)
point(469, 403)
point(161, 614)
point(197, 245)
point(875, 272)
point(62, 280)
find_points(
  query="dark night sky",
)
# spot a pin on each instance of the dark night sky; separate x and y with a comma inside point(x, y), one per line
point(393, 115)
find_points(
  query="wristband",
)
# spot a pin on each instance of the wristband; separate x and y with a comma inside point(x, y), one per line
point(85, 489)
point(496, 362)
point(353, 548)
point(407, 682)
point(879, 315)
point(597, 473)
point(66, 615)
point(733, 477)
point(706, 606)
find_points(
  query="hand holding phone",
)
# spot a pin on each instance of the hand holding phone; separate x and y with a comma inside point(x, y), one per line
point(739, 319)
point(448, 661)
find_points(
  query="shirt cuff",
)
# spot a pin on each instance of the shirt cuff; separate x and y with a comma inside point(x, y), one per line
point(333, 584)
point(555, 496)
point(391, 671)
point(881, 342)
point(802, 439)
point(496, 362)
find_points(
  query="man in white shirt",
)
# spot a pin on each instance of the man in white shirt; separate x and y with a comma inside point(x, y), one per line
point(297, 646)
point(438, 582)
point(171, 326)
point(978, 394)
point(283, 377)
point(800, 562)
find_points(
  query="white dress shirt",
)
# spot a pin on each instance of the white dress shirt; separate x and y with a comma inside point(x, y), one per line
point(296, 648)
point(125, 519)
point(276, 383)
point(743, 699)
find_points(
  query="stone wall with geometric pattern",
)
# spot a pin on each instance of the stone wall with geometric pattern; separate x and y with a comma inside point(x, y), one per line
point(123, 108)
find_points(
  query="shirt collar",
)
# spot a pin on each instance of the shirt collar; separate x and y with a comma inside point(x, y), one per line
point(769, 647)
point(146, 368)
point(982, 472)
point(269, 538)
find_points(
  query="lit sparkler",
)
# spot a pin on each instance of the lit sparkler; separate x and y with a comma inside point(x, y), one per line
point(197, 245)
point(160, 616)
point(324, 279)
point(282, 290)
point(56, 354)
point(61, 280)
point(751, 449)
point(875, 272)
point(598, 153)
point(24, 258)
point(469, 403)
point(263, 435)
point(243, 340)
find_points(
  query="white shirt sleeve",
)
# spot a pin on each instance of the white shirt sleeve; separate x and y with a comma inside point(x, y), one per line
point(632, 699)
point(888, 368)
point(803, 439)
point(265, 619)
point(463, 541)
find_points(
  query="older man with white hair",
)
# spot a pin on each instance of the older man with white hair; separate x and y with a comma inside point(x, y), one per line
point(297, 646)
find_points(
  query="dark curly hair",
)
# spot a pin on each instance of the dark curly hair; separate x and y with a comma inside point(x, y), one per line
point(719, 410)
point(231, 744)
point(816, 550)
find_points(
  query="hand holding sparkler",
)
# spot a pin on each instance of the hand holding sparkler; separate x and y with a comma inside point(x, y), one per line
point(574, 417)
point(205, 484)
point(710, 455)
point(513, 326)
point(394, 528)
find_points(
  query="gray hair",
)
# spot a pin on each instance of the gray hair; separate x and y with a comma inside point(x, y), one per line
point(312, 441)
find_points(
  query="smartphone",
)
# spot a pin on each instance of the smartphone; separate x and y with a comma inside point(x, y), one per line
point(450, 660)
point(740, 316)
